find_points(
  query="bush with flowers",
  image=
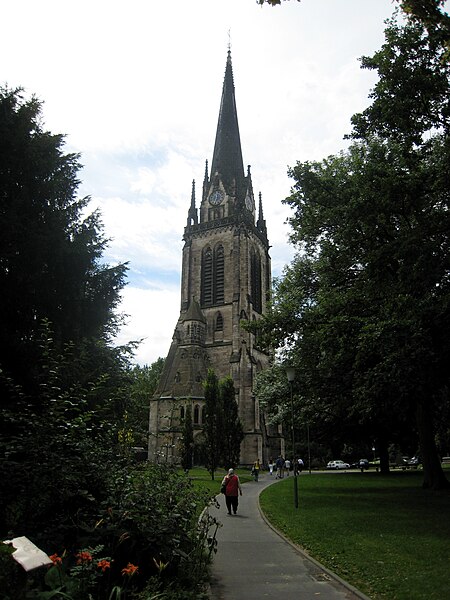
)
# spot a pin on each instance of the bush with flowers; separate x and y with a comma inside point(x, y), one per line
point(116, 529)
point(147, 542)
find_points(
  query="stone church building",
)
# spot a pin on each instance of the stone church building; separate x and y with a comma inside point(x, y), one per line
point(226, 279)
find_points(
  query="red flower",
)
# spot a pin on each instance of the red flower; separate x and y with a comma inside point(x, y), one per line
point(56, 560)
point(103, 565)
point(130, 569)
point(83, 557)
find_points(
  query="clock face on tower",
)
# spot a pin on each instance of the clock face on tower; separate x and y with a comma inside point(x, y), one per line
point(216, 197)
point(249, 201)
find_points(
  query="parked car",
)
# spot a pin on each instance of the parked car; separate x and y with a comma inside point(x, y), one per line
point(362, 464)
point(338, 464)
point(414, 462)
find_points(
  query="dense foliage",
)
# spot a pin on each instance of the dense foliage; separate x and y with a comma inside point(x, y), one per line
point(142, 541)
point(144, 380)
point(60, 379)
point(232, 433)
point(50, 253)
point(363, 310)
point(223, 430)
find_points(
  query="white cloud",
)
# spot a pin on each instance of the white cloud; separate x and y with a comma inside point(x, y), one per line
point(136, 87)
point(152, 318)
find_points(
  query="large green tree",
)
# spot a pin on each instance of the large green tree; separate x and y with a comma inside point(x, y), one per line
point(143, 380)
point(63, 385)
point(223, 431)
point(364, 308)
point(213, 426)
point(51, 263)
point(232, 431)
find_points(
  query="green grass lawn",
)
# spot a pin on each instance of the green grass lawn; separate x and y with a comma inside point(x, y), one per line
point(383, 534)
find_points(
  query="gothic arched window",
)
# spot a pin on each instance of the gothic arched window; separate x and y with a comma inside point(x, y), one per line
point(196, 414)
point(207, 277)
point(255, 280)
point(213, 276)
point(203, 415)
point(219, 322)
point(182, 413)
point(219, 275)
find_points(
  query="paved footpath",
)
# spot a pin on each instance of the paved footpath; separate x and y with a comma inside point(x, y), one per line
point(254, 562)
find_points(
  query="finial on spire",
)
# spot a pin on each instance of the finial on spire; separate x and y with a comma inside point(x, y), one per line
point(229, 41)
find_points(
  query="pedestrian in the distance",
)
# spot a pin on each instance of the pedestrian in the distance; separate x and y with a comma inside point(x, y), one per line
point(271, 466)
point(232, 491)
point(280, 465)
point(287, 466)
point(256, 468)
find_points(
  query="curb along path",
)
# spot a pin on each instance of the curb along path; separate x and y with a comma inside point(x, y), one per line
point(255, 562)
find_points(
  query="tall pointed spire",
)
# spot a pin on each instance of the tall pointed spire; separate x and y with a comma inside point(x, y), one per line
point(227, 158)
point(192, 213)
point(261, 222)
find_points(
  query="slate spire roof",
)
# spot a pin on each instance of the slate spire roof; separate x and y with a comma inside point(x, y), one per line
point(227, 157)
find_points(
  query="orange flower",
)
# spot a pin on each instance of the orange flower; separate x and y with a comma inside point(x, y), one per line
point(130, 569)
point(103, 565)
point(56, 560)
point(83, 557)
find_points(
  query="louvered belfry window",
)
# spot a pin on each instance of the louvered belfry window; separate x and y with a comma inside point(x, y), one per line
point(219, 275)
point(255, 276)
point(213, 276)
point(207, 277)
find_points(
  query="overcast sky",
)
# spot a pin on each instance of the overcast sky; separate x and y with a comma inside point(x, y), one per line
point(136, 88)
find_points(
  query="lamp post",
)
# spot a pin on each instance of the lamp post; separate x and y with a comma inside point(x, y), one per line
point(290, 373)
point(309, 449)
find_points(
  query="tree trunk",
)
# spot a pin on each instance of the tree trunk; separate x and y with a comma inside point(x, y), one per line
point(384, 456)
point(434, 477)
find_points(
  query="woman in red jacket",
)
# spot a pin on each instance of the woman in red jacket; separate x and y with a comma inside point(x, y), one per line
point(232, 490)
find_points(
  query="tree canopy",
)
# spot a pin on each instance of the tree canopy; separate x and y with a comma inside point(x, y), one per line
point(223, 430)
point(363, 310)
point(51, 263)
point(63, 385)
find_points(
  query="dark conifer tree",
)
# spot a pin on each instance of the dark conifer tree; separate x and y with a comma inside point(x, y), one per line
point(232, 431)
point(213, 426)
point(50, 253)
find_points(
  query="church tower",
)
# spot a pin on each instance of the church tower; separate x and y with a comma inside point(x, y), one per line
point(226, 278)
